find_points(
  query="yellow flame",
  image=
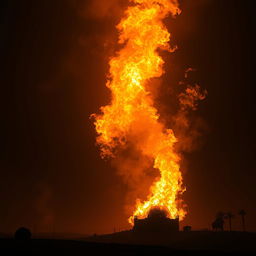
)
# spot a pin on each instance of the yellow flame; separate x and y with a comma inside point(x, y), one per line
point(132, 111)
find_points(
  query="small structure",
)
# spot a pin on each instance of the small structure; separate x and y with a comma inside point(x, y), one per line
point(157, 221)
point(187, 228)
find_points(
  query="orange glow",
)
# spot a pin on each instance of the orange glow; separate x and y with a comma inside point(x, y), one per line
point(132, 114)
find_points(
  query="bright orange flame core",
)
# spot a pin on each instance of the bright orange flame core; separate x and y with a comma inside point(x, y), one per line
point(132, 112)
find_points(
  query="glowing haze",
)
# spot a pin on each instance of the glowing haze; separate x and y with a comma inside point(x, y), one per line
point(132, 117)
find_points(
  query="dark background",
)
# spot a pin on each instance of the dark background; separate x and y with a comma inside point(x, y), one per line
point(54, 57)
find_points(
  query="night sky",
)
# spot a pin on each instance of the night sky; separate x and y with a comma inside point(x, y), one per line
point(54, 57)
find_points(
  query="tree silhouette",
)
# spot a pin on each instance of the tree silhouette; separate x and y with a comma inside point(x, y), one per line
point(242, 213)
point(218, 222)
point(229, 216)
point(22, 234)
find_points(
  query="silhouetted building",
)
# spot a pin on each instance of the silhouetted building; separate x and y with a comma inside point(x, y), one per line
point(156, 222)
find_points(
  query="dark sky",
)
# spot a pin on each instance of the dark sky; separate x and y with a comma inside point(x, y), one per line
point(54, 58)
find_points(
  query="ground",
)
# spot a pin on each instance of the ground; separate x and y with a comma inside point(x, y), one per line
point(128, 243)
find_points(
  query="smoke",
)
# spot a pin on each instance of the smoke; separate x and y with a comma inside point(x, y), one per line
point(136, 171)
point(188, 127)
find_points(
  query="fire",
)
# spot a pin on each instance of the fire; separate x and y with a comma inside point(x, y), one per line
point(131, 115)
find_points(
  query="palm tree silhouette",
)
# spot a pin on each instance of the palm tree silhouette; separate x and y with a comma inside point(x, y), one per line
point(242, 213)
point(229, 216)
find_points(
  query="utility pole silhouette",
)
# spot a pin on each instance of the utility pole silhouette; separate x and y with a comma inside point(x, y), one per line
point(242, 213)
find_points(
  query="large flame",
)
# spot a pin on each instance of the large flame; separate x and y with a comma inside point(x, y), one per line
point(132, 112)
